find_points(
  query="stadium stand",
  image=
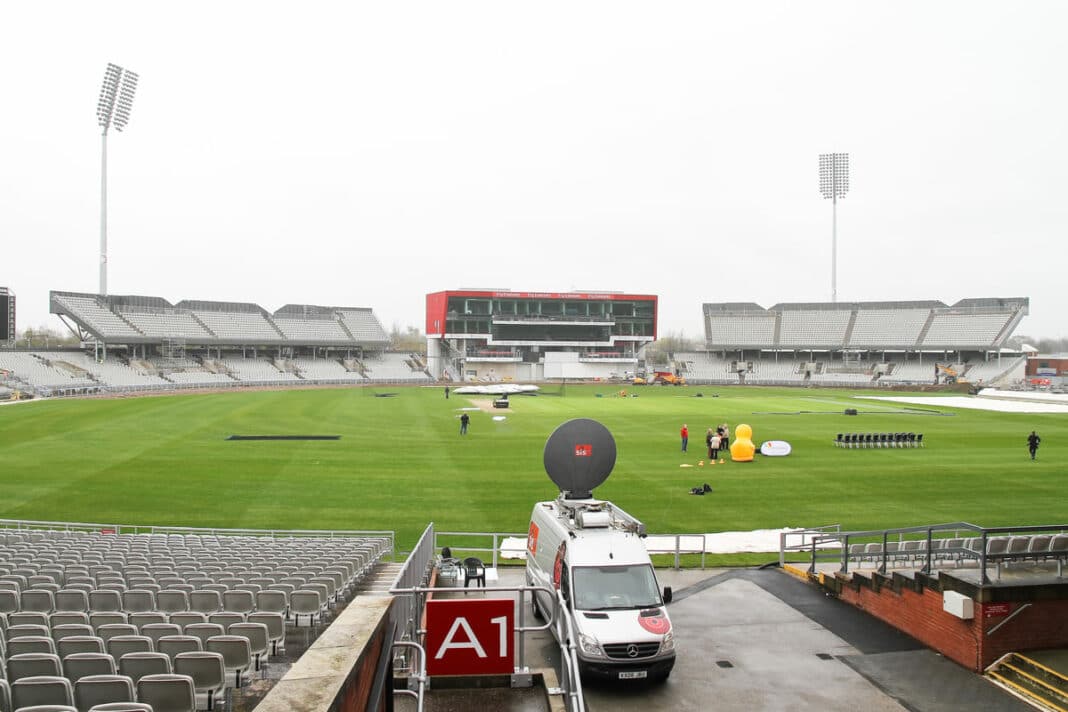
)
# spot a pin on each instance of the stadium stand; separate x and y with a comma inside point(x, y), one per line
point(808, 327)
point(239, 326)
point(256, 371)
point(877, 327)
point(126, 320)
point(858, 344)
point(140, 644)
point(394, 367)
point(110, 372)
point(98, 318)
point(165, 323)
point(747, 325)
point(363, 325)
point(39, 373)
point(326, 371)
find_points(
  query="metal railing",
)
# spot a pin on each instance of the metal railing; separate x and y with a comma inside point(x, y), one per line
point(32, 525)
point(414, 574)
point(683, 544)
point(901, 543)
point(559, 621)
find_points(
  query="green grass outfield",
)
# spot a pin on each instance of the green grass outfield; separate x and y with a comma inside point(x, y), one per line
point(400, 462)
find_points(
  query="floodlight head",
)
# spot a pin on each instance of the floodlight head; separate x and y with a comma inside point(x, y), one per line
point(834, 174)
point(116, 97)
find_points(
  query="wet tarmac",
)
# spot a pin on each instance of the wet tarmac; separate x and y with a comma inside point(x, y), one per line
point(762, 640)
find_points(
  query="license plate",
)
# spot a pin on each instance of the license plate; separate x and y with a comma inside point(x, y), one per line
point(634, 675)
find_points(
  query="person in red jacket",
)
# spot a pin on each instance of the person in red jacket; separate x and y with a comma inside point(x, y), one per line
point(685, 435)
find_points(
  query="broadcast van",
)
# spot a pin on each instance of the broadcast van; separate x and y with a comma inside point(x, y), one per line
point(594, 554)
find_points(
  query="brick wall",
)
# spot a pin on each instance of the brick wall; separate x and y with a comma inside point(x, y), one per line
point(916, 609)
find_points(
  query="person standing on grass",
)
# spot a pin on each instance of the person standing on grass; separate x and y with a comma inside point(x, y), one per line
point(446, 393)
point(708, 442)
point(713, 447)
point(464, 420)
point(685, 435)
point(1032, 443)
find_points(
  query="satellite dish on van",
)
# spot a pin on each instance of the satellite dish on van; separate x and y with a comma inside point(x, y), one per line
point(579, 455)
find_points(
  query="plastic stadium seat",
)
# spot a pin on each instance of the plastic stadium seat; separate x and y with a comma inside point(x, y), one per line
point(41, 690)
point(174, 644)
point(39, 600)
point(208, 671)
point(239, 601)
point(186, 617)
point(172, 601)
point(226, 618)
point(111, 630)
point(143, 618)
point(276, 628)
point(105, 601)
point(305, 603)
point(106, 618)
point(29, 618)
point(33, 665)
point(9, 601)
point(80, 644)
point(122, 707)
point(236, 653)
point(102, 689)
point(155, 631)
point(23, 630)
point(272, 602)
point(138, 601)
point(172, 693)
point(122, 644)
point(259, 640)
point(203, 631)
point(30, 644)
point(69, 630)
point(71, 600)
point(5, 695)
point(205, 601)
point(79, 665)
point(68, 618)
point(137, 665)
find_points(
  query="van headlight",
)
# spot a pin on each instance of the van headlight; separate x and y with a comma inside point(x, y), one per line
point(668, 643)
point(589, 646)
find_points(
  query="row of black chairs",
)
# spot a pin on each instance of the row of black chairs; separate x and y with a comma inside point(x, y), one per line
point(873, 440)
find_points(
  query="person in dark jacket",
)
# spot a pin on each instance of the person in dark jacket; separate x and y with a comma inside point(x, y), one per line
point(1032, 443)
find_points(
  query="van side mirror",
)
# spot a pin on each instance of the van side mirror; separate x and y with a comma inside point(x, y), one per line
point(667, 594)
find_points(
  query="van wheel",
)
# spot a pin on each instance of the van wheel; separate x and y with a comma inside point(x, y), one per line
point(534, 607)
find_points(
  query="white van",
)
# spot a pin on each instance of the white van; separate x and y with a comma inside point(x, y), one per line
point(593, 553)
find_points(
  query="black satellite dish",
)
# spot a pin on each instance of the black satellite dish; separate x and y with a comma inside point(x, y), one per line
point(579, 455)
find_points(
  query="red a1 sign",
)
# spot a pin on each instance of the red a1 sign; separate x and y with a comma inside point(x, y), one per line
point(470, 637)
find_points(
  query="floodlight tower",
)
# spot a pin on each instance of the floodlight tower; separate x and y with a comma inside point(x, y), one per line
point(113, 109)
point(834, 184)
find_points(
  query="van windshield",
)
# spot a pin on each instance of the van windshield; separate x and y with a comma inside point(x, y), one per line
point(603, 588)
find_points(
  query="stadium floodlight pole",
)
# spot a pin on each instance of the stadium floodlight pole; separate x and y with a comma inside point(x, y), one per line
point(834, 184)
point(113, 109)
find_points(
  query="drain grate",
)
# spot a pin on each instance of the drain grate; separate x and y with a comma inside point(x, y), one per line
point(725, 663)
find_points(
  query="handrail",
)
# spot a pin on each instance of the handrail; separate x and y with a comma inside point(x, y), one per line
point(840, 541)
point(414, 573)
point(420, 677)
point(20, 525)
point(679, 544)
point(559, 615)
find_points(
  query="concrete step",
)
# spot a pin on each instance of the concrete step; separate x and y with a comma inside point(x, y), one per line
point(1027, 678)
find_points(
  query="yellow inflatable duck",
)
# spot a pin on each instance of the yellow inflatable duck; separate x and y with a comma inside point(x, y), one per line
point(742, 448)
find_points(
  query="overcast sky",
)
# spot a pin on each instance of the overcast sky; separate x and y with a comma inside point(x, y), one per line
point(365, 154)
